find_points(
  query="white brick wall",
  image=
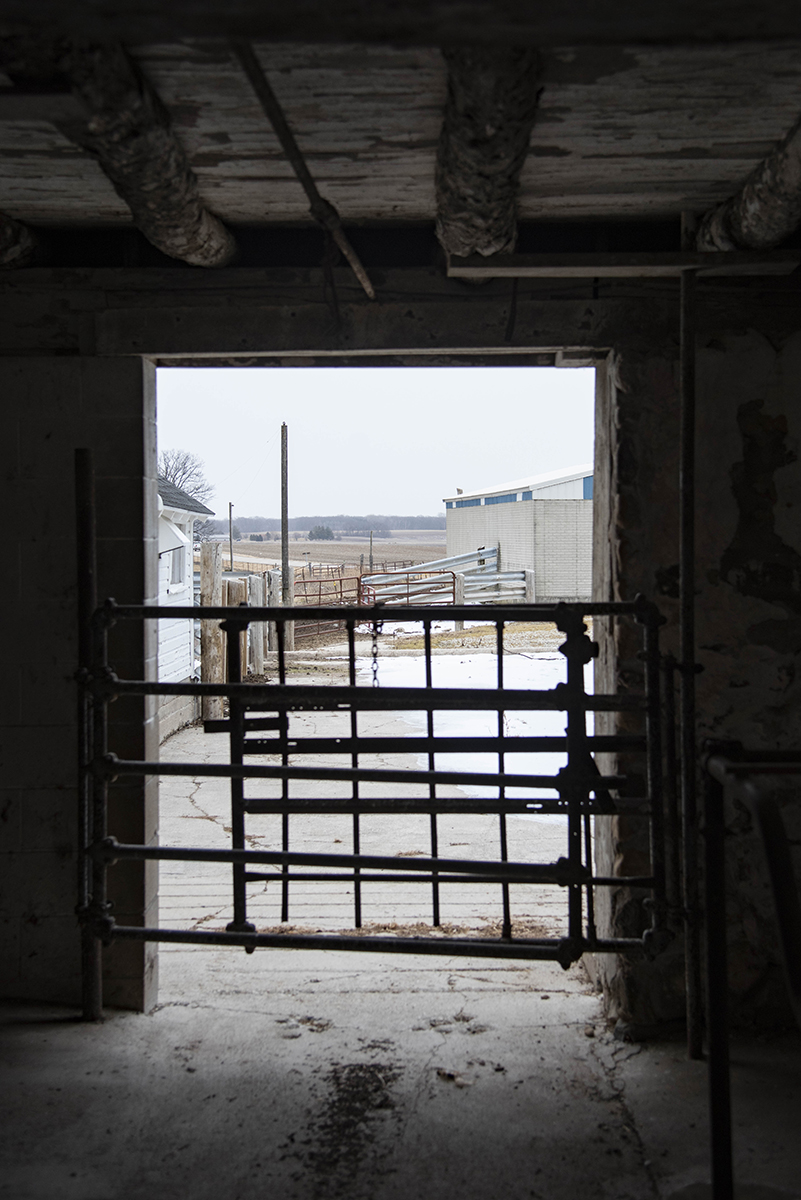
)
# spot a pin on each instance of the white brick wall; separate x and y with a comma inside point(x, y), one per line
point(554, 537)
point(563, 549)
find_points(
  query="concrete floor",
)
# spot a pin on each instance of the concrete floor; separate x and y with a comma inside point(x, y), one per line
point(316, 1075)
point(376, 1077)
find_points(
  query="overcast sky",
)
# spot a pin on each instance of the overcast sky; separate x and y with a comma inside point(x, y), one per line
point(373, 439)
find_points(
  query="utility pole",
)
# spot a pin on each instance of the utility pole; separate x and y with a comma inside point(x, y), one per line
point(371, 551)
point(286, 598)
point(231, 535)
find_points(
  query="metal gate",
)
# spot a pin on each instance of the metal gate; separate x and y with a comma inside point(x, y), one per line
point(259, 726)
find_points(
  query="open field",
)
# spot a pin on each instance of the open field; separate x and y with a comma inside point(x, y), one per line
point(349, 552)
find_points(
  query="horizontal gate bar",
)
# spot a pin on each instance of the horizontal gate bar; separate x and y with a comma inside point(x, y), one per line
point(354, 877)
point(424, 745)
point(561, 872)
point(388, 805)
point(632, 881)
point(321, 698)
point(110, 766)
point(562, 950)
point(364, 614)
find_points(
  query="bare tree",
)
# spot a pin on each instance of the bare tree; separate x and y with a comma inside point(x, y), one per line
point(185, 470)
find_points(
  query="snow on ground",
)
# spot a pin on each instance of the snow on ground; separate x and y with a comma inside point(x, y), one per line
point(520, 671)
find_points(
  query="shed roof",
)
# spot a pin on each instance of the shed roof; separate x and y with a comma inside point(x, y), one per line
point(529, 482)
point(175, 497)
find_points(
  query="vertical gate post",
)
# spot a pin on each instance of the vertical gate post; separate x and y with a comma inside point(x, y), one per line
point(273, 601)
point(238, 594)
point(531, 591)
point(288, 589)
point(211, 636)
point(692, 948)
point(91, 951)
point(458, 596)
point(256, 598)
point(717, 991)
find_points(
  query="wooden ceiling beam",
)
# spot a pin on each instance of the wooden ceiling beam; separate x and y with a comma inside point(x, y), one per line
point(129, 132)
point(489, 112)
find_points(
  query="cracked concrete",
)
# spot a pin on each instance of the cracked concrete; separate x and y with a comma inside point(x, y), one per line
point(323, 1075)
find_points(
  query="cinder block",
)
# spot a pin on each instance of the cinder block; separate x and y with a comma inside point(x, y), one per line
point(50, 820)
point(41, 884)
point(10, 941)
point(43, 757)
point(10, 820)
point(50, 960)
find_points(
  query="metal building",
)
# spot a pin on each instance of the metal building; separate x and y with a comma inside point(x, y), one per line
point(541, 523)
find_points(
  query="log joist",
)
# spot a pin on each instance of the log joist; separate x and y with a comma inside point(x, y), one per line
point(766, 209)
point(490, 108)
point(97, 97)
point(17, 243)
point(129, 132)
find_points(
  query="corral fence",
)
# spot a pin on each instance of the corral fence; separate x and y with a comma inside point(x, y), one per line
point(472, 578)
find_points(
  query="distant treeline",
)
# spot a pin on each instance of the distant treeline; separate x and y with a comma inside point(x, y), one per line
point(339, 524)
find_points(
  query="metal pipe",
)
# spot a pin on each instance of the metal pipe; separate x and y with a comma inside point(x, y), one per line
point(653, 719)
point(687, 659)
point(717, 992)
point(299, 696)
point(672, 816)
point(424, 745)
point(286, 596)
point(543, 613)
point(233, 630)
point(114, 767)
point(322, 211)
point(561, 951)
point(785, 892)
point(85, 506)
point(561, 872)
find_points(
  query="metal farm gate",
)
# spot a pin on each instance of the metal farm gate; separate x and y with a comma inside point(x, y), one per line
point(265, 747)
point(266, 744)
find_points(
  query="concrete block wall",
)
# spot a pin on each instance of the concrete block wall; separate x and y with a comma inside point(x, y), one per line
point(553, 537)
point(175, 712)
point(51, 406)
point(563, 549)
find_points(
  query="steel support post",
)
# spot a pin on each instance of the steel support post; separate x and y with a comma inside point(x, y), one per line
point(233, 630)
point(717, 992)
point(91, 949)
point(687, 667)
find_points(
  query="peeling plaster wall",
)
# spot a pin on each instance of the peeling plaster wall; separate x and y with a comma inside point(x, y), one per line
point(749, 585)
point(748, 607)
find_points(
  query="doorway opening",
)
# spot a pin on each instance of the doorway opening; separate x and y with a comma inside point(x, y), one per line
point(370, 449)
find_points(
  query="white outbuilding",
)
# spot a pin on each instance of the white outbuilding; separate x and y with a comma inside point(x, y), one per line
point(541, 523)
point(176, 645)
